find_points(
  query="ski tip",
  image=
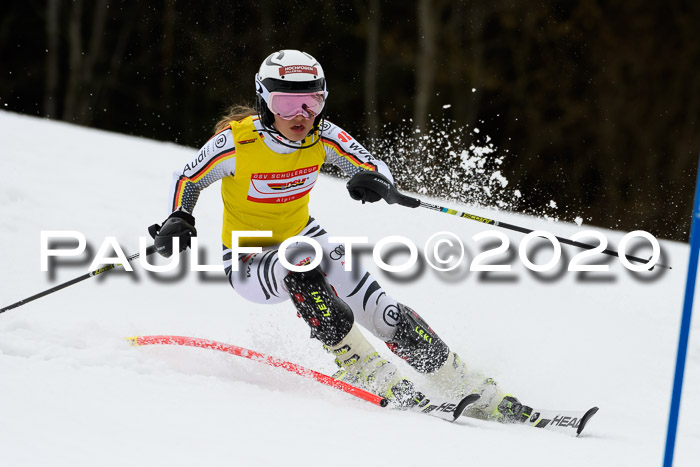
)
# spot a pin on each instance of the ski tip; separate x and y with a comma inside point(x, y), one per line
point(463, 404)
point(133, 340)
point(383, 402)
point(584, 420)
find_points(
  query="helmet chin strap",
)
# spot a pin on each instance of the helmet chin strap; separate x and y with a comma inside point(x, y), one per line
point(274, 131)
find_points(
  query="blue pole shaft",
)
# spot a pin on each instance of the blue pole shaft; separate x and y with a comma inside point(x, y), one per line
point(685, 327)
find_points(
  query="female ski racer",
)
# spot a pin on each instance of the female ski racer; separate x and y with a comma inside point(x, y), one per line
point(268, 161)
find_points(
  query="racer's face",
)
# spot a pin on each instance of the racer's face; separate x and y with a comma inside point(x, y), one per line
point(295, 129)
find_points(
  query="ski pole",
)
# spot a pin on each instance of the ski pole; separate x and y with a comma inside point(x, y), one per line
point(150, 250)
point(408, 201)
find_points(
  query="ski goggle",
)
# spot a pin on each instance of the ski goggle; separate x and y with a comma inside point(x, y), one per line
point(289, 105)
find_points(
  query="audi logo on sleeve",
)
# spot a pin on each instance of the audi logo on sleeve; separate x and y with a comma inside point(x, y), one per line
point(281, 187)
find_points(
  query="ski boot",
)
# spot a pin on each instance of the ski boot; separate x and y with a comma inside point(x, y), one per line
point(416, 343)
point(332, 322)
point(361, 364)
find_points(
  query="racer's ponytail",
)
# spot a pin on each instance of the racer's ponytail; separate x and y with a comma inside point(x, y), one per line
point(234, 113)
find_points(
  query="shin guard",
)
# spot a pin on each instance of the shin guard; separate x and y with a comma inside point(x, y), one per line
point(415, 342)
point(329, 318)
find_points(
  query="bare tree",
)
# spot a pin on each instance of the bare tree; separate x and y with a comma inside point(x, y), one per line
point(372, 67)
point(477, 18)
point(75, 51)
point(90, 87)
point(267, 31)
point(81, 91)
point(168, 48)
point(52, 47)
point(425, 61)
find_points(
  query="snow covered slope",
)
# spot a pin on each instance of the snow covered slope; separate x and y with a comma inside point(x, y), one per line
point(74, 393)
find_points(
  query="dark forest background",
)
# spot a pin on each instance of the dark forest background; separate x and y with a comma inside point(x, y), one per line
point(591, 104)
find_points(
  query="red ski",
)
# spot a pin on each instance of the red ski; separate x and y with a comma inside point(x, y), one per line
point(444, 409)
point(262, 358)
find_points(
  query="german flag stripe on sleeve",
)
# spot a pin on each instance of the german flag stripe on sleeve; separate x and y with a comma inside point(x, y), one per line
point(349, 157)
point(206, 168)
point(200, 174)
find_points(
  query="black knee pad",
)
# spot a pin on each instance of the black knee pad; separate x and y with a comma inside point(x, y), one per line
point(417, 343)
point(329, 318)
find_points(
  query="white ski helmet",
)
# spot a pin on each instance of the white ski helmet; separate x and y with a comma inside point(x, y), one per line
point(288, 71)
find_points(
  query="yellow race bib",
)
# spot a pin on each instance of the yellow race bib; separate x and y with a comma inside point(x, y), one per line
point(269, 191)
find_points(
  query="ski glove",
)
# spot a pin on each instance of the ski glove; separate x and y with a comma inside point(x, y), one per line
point(179, 224)
point(370, 187)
